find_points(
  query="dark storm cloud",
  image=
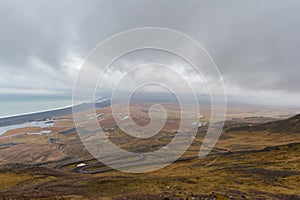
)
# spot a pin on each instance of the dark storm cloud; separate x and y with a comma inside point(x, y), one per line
point(254, 43)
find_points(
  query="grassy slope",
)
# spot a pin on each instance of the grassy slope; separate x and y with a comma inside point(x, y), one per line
point(272, 174)
point(269, 174)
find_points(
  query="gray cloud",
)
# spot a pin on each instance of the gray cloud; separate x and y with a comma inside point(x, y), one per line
point(254, 43)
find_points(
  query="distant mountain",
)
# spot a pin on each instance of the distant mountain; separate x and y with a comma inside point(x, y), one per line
point(290, 125)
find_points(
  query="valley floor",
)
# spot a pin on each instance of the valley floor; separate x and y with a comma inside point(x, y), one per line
point(256, 157)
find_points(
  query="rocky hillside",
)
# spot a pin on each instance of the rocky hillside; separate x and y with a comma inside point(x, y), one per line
point(289, 126)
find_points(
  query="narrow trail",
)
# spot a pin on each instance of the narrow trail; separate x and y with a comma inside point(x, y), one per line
point(84, 169)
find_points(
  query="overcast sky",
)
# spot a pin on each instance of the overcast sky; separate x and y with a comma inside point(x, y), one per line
point(254, 43)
